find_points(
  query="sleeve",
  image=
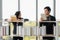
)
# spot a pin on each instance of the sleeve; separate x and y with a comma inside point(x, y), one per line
point(54, 19)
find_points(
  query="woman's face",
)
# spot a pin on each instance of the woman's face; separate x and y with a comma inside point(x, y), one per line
point(19, 15)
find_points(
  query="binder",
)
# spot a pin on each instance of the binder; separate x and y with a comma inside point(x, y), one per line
point(54, 30)
point(7, 38)
point(43, 30)
point(27, 31)
point(38, 31)
point(11, 28)
point(33, 31)
point(32, 37)
point(26, 37)
point(17, 38)
point(29, 37)
point(26, 24)
point(1, 31)
point(4, 31)
point(48, 38)
point(40, 38)
point(19, 30)
point(59, 30)
point(7, 30)
point(30, 24)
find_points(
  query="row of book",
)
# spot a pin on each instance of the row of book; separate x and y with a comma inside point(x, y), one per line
point(29, 38)
point(4, 31)
point(21, 31)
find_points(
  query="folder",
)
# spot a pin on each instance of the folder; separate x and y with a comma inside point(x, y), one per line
point(17, 38)
point(29, 37)
point(27, 31)
point(32, 37)
point(40, 38)
point(13, 18)
point(33, 31)
point(30, 24)
point(26, 37)
point(11, 28)
point(6, 38)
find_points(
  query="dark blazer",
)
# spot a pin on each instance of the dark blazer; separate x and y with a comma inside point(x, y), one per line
point(49, 25)
point(49, 18)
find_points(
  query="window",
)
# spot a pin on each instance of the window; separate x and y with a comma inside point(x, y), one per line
point(9, 8)
point(57, 9)
point(44, 3)
point(28, 9)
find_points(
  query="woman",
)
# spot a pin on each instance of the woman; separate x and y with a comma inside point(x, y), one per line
point(18, 15)
point(17, 22)
point(19, 18)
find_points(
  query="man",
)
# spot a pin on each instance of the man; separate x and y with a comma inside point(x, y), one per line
point(49, 25)
point(47, 11)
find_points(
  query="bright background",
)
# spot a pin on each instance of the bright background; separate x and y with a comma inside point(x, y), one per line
point(28, 8)
point(42, 4)
point(58, 10)
point(9, 7)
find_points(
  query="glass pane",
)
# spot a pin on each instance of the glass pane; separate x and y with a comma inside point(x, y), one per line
point(9, 8)
point(57, 9)
point(28, 9)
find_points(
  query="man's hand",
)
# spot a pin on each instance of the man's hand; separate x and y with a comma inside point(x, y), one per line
point(41, 19)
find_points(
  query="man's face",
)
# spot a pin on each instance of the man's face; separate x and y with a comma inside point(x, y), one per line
point(46, 11)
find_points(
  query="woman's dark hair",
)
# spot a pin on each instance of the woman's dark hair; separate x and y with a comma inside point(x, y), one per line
point(17, 14)
point(48, 8)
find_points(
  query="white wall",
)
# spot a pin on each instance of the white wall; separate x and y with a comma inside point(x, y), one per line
point(58, 9)
point(28, 9)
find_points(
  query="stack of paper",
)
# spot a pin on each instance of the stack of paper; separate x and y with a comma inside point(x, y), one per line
point(43, 30)
point(32, 37)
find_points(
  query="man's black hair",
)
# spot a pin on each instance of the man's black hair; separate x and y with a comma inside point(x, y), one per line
point(48, 8)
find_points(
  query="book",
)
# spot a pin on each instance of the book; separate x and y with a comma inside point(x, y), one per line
point(32, 37)
point(26, 37)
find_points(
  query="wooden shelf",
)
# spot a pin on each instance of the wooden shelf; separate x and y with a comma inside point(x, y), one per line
point(49, 35)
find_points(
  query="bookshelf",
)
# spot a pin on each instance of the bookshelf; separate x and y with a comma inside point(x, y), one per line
point(27, 32)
